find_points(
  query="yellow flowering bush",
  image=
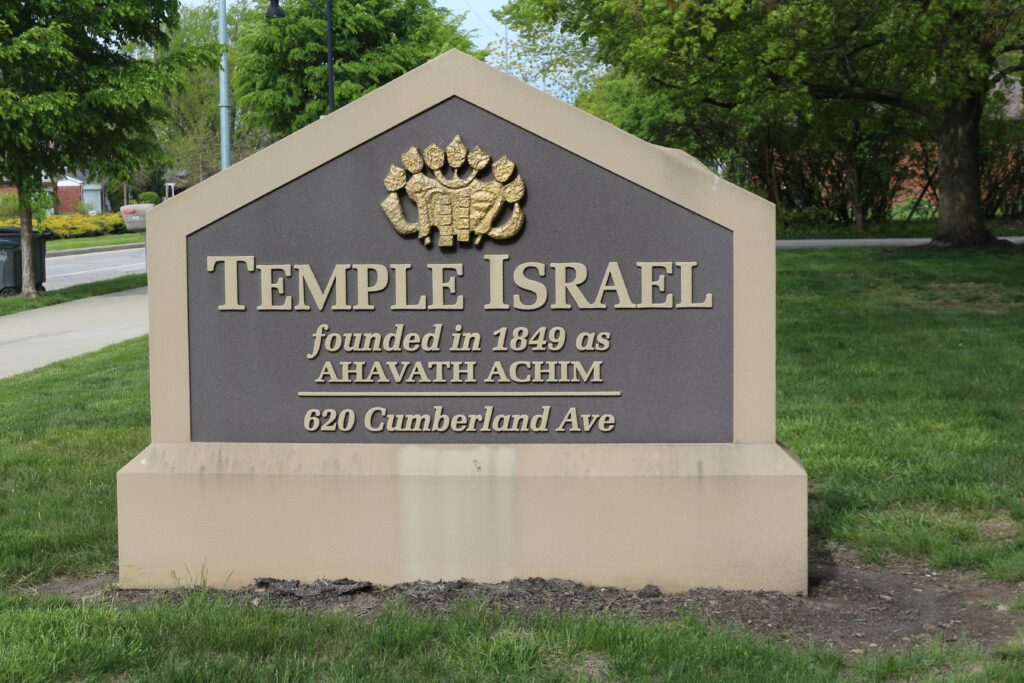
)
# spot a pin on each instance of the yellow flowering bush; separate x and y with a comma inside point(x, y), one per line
point(66, 225)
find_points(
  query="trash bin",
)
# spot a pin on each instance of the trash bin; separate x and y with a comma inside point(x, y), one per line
point(10, 260)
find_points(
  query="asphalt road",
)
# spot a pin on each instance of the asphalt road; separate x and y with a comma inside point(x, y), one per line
point(783, 245)
point(76, 269)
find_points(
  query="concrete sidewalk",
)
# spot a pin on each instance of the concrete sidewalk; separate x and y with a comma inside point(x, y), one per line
point(45, 335)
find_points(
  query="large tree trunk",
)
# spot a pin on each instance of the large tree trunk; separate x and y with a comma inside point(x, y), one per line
point(28, 261)
point(856, 204)
point(961, 219)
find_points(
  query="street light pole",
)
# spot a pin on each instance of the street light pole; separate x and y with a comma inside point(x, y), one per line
point(274, 11)
point(225, 106)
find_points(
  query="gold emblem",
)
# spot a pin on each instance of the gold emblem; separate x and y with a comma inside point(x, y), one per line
point(454, 201)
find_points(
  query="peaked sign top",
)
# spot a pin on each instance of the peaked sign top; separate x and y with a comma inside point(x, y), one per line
point(456, 74)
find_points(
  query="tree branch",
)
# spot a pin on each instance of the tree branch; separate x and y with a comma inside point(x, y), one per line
point(855, 92)
point(706, 100)
point(995, 78)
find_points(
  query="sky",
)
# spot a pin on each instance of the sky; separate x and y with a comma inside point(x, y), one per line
point(478, 17)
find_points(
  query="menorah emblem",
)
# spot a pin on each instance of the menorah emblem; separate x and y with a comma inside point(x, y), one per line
point(455, 202)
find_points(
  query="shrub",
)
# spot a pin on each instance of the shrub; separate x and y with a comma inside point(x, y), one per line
point(9, 210)
point(148, 198)
point(9, 205)
point(923, 209)
point(808, 217)
point(66, 225)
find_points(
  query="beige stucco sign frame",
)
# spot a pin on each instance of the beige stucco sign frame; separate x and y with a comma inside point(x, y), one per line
point(683, 515)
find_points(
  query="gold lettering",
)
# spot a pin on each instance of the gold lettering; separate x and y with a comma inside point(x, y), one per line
point(308, 281)
point(686, 287)
point(363, 286)
point(649, 284)
point(327, 374)
point(441, 286)
point(613, 282)
point(563, 286)
point(496, 268)
point(269, 286)
point(230, 278)
point(538, 289)
point(402, 290)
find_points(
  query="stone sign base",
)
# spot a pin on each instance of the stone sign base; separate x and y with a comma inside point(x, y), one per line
point(677, 516)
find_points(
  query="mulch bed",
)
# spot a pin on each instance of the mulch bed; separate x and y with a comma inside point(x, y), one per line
point(852, 607)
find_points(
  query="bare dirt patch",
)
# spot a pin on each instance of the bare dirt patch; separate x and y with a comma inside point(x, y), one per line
point(978, 296)
point(999, 528)
point(852, 607)
point(99, 587)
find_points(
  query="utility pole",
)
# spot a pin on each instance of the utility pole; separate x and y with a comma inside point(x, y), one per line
point(225, 105)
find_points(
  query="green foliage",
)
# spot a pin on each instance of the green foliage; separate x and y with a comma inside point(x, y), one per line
point(756, 56)
point(767, 67)
point(551, 60)
point(909, 209)
point(809, 217)
point(1002, 180)
point(190, 134)
point(843, 162)
point(64, 225)
point(281, 64)
point(42, 202)
point(80, 86)
point(148, 198)
point(8, 206)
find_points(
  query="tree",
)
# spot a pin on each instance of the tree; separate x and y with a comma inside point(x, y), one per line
point(938, 60)
point(189, 134)
point(282, 63)
point(78, 91)
point(551, 60)
point(838, 162)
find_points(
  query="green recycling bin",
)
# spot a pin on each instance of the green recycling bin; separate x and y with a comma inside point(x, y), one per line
point(10, 260)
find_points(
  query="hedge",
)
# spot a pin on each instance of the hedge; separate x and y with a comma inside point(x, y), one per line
point(66, 225)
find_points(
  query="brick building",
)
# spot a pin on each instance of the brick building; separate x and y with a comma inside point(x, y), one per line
point(72, 190)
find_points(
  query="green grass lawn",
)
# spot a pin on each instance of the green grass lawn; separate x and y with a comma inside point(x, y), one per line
point(207, 638)
point(18, 303)
point(100, 241)
point(901, 386)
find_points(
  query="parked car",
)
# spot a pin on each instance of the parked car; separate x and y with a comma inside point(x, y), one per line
point(134, 216)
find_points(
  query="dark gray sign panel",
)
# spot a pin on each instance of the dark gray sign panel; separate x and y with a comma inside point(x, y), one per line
point(478, 366)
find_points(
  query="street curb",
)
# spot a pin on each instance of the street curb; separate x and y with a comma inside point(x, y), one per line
point(96, 250)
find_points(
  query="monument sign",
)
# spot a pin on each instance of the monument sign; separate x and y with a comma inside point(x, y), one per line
point(461, 329)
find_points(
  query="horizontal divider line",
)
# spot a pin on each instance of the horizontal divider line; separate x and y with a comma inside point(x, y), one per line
point(460, 394)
